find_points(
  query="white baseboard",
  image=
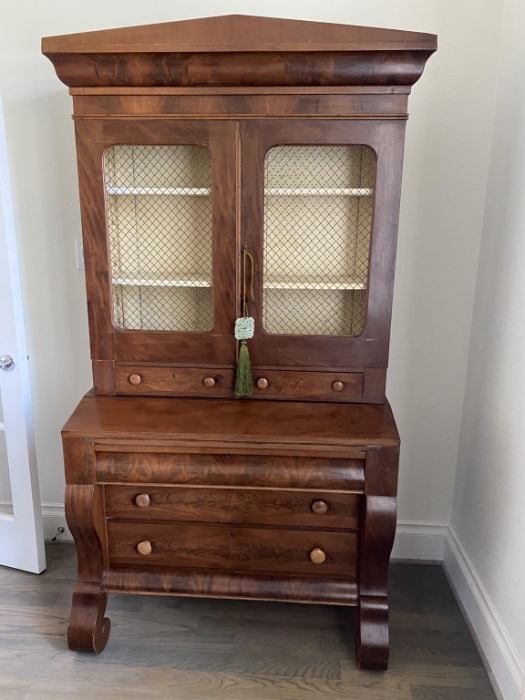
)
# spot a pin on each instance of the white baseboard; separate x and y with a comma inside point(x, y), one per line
point(501, 660)
point(53, 519)
point(420, 541)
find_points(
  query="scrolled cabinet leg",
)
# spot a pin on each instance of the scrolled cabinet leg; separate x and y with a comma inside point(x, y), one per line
point(372, 635)
point(88, 628)
point(377, 531)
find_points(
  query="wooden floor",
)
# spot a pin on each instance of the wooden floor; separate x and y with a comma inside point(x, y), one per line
point(195, 649)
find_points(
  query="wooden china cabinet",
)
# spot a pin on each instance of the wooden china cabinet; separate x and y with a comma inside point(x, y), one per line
point(237, 173)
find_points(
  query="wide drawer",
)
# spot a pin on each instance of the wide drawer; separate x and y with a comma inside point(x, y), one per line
point(216, 382)
point(240, 549)
point(174, 381)
point(323, 473)
point(311, 386)
point(229, 505)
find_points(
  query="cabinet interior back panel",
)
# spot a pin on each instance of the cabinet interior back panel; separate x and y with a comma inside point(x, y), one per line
point(318, 213)
point(159, 219)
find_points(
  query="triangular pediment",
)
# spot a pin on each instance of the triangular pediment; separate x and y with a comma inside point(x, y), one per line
point(234, 33)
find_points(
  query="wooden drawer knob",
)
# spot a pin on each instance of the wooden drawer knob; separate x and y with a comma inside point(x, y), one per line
point(262, 383)
point(338, 386)
point(142, 500)
point(317, 556)
point(144, 548)
point(318, 507)
point(134, 379)
point(208, 382)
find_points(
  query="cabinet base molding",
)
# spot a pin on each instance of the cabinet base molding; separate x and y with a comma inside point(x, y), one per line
point(210, 584)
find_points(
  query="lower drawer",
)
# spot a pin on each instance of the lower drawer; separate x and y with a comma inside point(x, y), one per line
point(230, 505)
point(240, 549)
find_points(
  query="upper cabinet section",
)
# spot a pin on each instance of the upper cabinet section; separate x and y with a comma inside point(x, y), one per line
point(205, 53)
point(200, 139)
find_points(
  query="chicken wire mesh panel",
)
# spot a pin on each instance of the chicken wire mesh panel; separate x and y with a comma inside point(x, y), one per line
point(319, 203)
point(159, 219)
point(166, 308)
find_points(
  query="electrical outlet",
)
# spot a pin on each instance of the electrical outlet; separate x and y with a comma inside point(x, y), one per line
point(79, 254)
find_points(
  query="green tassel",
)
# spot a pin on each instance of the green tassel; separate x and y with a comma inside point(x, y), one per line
point(243, 379)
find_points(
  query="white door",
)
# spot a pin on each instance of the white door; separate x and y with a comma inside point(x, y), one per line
point(21, 536)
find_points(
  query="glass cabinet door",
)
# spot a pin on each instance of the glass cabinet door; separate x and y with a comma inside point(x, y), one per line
point(319, 203)
point(159, 219)
point(318, 209)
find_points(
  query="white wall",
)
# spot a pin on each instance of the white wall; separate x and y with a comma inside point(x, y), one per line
point(444, 184)
point(488, 519)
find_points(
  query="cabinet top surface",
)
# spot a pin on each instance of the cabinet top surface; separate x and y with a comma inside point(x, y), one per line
point(244, 33)
point(233, 421)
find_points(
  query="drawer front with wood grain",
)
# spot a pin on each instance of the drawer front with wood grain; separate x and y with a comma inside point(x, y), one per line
point(239, 549)
point(311, 386)
point(174, 381)
point(229, 505)
point(323, 473)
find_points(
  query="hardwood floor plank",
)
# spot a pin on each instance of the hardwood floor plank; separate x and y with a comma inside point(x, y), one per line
point(442, 693)
point(203, 649)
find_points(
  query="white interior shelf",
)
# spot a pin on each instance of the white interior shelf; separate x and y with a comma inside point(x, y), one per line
point(162, 191)
point(321, 283)
point(269, 191)
point(164, 282)
point(319, 191)
point(276, 283)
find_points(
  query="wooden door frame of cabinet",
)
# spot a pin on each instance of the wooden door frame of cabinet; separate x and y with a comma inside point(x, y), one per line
point(370, 349)
point(107, 343)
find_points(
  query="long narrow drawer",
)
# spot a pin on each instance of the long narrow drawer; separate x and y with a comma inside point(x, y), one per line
point(239, 506)
point(174, 381)
point(219, 382)
point(323, 473)
point(240, 549)
point(314, 386)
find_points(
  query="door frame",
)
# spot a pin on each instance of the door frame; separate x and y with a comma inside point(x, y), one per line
point(21, 533)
